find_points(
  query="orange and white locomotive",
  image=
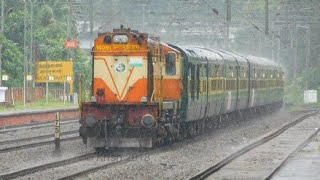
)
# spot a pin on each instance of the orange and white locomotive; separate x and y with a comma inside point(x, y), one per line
point(132, 76)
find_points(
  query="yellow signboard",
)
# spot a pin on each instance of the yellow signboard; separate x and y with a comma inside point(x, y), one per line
point(58, 71)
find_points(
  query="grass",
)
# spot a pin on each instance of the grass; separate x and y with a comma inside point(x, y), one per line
point(301, 107)
point(37, 105)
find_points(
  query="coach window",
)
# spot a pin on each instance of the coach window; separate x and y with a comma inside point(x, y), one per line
point(198, 80)
point(204, 76)
point(216, 73)
point(171, 64)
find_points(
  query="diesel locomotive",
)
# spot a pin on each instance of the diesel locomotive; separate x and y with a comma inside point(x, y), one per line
point(146, 92)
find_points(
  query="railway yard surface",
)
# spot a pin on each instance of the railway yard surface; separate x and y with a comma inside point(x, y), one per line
point(27, 152)
point(305, 164)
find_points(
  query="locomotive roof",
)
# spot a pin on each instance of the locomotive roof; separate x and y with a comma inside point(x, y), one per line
point(150, 40)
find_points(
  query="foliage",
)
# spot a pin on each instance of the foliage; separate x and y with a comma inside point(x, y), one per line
point(14, 27)
point(311, 79)
point(308, 79)
point(294, 91)
point(12, 61)
point(52, 24)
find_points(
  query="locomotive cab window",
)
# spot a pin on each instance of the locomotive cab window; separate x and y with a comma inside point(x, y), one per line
point(171, 64)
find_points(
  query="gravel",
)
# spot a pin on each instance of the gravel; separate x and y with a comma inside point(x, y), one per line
point(177, 161)
point(21, 159)
point(184, 159)
point(29, 157)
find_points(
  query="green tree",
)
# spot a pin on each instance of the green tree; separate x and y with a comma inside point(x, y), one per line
point(12, 62)
point(54, 22)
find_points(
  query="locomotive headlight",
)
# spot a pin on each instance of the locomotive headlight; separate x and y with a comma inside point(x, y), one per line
point(147, 121)
point(93, 99)
point(120, 38)
point(144, 99)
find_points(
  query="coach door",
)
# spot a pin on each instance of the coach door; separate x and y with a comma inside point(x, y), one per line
point(203, 91)
point(192, 108)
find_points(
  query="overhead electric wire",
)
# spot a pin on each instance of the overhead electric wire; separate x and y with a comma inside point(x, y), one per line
point(251, 23)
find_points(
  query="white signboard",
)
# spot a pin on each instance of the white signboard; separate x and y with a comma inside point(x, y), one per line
point(3, 94)
point(310, 96)
point(5, 77)
point(29, 77)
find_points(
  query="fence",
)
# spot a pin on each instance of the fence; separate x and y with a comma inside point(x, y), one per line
point(33, 94)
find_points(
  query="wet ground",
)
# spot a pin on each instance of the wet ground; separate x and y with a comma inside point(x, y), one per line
point(259, 162)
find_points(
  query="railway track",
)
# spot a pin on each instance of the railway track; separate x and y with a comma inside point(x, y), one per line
point(36, 137)
point(95, 169)
point(14, 148)
point(65, 163)
point(43, 167)
point(218, 166)
point(38, 125)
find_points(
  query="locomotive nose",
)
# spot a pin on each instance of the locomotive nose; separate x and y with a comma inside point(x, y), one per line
point(148, 121)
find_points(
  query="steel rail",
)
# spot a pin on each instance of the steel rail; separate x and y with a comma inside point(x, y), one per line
point(4, 150)
point(43, 167)
point(7, 129)
point(36, 137)
point(95, 169)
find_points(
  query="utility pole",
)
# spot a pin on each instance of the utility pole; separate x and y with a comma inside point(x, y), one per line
point(0, 65)
point(272, 47)
point(2, 16)
point(91, 16)
point(279, 40)
point(308, 49)
point(295, 53)
point(30, 61)
point(47, 83)
point(279, 47)
point(25, 52)
point(69, 30)
point(308, 52)
point(31, 36)
point(292, 51)
point(266, 9)
point(226, 40)
point(2, 30)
